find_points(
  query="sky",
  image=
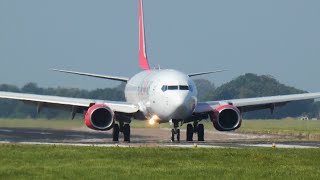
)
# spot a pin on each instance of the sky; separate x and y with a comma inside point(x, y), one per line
point(280, 38)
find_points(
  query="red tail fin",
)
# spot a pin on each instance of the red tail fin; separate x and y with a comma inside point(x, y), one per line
point(144, 64)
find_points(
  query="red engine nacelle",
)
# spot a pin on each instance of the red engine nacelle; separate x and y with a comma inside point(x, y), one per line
point(99, 117)
point(226, 118)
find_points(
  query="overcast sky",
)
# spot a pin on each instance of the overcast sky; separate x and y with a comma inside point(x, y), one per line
point(275, 37)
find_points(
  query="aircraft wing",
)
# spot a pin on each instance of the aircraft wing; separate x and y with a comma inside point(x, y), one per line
point(116, 78)
point(252, 104)
point(67, 103)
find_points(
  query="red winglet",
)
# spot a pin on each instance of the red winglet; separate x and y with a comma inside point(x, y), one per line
point(144, 64)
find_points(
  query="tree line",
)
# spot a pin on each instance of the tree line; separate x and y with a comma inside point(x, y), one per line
point(245, 86)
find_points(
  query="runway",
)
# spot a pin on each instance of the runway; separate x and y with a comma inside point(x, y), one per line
point(146, 138)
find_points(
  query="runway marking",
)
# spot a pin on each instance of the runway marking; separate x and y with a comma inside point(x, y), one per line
point(81, 136)
point(36, 132)
point(91, 140)
point(6, 130)
point(191, 146)
point(74, 144)
point(164, 145)
point(279, 146)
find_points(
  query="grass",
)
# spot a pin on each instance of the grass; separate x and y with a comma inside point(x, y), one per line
point(293, 127)
point(66, 162)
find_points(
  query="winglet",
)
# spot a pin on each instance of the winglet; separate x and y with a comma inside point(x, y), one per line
point(144, 64)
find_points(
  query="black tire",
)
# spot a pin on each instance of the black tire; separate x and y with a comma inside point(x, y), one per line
point(178, 135)
point(126, 132)
point(115, 133)
point(189, 132)
point(172, 135)
point(200, 132)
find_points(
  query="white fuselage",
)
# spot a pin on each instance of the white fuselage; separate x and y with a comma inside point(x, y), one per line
point(168, 94)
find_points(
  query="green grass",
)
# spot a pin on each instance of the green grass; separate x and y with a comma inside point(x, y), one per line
point(64, 162)
point(303, 129)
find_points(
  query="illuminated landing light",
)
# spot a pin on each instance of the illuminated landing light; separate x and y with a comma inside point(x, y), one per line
point(153, 120)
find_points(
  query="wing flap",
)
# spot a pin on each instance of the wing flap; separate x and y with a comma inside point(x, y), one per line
point(66, 102)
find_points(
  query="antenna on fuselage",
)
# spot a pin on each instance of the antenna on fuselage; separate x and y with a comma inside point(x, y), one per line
point(158, 67)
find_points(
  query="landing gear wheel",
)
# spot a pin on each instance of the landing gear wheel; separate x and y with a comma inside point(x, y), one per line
point(172, 135)
point(178, 135)
point(175, 130)
point(126, 132)
point(200, 132)
point(115, 133)
point(189, 132)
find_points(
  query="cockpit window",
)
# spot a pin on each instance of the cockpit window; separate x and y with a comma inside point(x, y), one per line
point(181, 87)
point(184, 87)
point(173, 88)
point(164, 88)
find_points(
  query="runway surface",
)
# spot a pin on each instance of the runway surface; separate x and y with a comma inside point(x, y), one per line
point(146, 138)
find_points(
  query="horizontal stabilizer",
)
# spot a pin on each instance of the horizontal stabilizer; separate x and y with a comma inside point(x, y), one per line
point(203, 73)
point(123, 79)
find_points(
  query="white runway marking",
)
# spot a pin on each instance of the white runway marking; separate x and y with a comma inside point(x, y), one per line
point(191, 146)
point(36, 132)
point(80, 136)
point(75, 144)
point(6, 130)
point(166, 145)
point(279, 146)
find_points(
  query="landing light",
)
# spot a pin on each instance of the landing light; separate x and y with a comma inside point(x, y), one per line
point(153, 120)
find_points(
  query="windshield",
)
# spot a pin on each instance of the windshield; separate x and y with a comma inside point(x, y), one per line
point(175, 87)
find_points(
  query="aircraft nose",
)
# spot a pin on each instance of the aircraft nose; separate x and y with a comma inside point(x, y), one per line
point(182, 105)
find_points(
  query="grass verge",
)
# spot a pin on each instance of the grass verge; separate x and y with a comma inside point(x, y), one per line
point(304, 129)
point(64, 162)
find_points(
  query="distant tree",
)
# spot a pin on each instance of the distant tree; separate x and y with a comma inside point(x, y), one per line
point(251, 85)
point(10, 88)
point(18, 109)
point(32, 88)
point(205, 88)
point(246, 86)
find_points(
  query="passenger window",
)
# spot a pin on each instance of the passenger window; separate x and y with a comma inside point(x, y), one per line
point(184, 87)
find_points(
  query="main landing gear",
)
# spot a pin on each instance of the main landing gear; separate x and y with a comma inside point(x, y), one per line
point(195, 128)
point(191, 129)
point(124, 128)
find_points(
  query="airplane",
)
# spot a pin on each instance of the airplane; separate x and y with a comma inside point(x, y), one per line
point(158, 96)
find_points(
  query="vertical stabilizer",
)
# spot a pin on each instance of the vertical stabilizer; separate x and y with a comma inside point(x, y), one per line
point(144, 64)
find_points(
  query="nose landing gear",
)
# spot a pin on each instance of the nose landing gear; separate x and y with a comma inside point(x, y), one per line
point(175, 131)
